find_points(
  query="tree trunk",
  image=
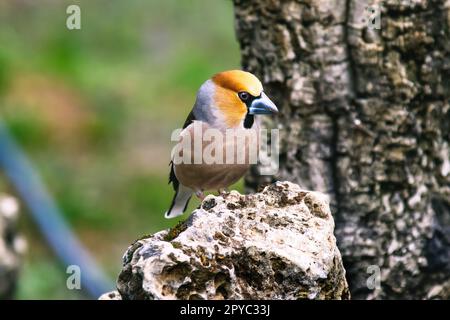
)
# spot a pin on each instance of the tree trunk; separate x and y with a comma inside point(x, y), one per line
point(365, 117)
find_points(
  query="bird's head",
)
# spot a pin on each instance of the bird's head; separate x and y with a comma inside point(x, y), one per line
point(236, 96)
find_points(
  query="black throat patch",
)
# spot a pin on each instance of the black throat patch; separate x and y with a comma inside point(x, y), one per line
point(248, 121)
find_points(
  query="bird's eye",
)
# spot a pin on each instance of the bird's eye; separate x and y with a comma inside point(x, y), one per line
point(244, 96)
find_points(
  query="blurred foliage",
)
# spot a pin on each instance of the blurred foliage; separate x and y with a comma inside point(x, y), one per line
point(94, 108)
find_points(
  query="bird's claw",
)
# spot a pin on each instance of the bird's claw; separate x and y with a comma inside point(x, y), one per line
point(223, 191)
point(200, 195)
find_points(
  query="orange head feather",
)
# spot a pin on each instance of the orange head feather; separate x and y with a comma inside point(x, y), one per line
point(228, 85)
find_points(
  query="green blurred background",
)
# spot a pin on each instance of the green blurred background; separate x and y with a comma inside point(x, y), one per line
point(94, 109)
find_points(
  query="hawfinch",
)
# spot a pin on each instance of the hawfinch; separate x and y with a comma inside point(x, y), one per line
point(225, 107)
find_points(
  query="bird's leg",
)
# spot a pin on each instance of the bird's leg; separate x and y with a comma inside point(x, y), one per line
point(222, 191)
point(200, 194)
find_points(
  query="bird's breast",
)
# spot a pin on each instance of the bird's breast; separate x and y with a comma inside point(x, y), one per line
point(208, 158)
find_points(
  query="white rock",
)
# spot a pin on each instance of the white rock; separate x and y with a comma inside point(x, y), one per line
point(277, 244)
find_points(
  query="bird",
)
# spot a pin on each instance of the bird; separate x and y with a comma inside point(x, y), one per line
point(226, 103)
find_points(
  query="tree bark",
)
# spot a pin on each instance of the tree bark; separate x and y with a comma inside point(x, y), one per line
point(365, 117)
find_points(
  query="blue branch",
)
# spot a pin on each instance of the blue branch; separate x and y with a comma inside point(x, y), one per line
point(47, 215)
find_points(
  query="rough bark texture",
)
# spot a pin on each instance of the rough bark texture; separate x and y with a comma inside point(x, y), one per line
point(12, 247)
point(277, 244)
point(364, 117)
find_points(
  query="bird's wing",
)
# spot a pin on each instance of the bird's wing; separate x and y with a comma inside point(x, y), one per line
point(172, 177)
point(190, 118)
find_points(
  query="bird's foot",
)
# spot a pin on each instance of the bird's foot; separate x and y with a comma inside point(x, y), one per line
point(200, 195)
point(223, 191)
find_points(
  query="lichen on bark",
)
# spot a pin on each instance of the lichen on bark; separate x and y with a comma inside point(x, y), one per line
point(365, 118)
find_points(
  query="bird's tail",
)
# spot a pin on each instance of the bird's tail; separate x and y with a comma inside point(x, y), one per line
point(180, 202)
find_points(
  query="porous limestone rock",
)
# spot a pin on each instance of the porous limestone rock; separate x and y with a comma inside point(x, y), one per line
point(276, 244)
point(113, 295)
point(12, 246)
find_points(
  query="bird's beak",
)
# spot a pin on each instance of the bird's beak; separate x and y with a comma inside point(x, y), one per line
point(262, 105)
